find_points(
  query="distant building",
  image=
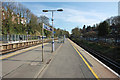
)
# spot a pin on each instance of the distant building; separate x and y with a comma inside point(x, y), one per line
point(18, 17)
point(119, 8)
point(3, 14)
point(23, 21)
point(15, 18)
point(114, 29)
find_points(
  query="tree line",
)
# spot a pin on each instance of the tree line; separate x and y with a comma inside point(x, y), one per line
point(17, 19)
point(109, 28)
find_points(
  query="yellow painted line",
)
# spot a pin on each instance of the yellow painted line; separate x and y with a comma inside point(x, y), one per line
point(87, 64)
point(15, 53)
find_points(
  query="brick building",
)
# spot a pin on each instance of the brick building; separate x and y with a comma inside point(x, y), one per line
point(14, 18)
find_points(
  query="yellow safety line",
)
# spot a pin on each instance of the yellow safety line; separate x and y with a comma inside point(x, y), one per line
point(86, 63)
point(9, 55)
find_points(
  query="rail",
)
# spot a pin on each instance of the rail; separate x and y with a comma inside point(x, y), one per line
point(109, 62)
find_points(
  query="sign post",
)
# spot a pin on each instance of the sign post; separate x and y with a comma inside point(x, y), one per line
point(42, 40)
point(46, 27)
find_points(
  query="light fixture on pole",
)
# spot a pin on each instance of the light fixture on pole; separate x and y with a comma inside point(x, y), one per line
point(53, 46)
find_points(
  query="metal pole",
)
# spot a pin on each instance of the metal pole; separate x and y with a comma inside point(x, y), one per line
point(42, 40)
point(27, 35)
point(64, 39)
point(52, 34)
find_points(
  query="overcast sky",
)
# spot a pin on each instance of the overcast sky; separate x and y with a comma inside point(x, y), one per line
point(75, 13)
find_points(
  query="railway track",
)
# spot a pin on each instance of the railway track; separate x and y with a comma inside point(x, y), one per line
point(109, 62)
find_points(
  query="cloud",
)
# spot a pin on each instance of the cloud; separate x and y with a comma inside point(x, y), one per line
point(71, 17)
point(82, 17)
point(69, 14)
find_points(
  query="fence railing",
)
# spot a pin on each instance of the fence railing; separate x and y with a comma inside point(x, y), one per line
point(17, 38)
point(107, 40)
point(9, 47)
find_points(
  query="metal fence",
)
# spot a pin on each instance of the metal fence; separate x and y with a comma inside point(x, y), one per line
point(17, 38)
point(107, 40)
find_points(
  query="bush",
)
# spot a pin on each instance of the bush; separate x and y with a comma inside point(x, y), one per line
point(112, 52)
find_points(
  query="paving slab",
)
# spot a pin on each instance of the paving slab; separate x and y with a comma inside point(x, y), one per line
point(66, 64)
point(102, 71)
point(16, 66)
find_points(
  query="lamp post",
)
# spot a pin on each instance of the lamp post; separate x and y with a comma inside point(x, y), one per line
point(53, 47)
